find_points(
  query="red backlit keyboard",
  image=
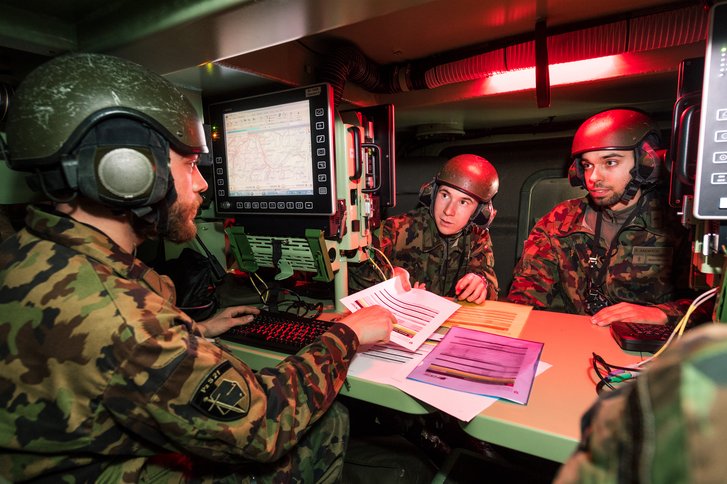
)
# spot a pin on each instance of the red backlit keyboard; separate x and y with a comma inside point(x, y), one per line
point(283, 332)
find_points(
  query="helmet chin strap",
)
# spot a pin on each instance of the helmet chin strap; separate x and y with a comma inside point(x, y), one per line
point(637, 179)
point(631, 189)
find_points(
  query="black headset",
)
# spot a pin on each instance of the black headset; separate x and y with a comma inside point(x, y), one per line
point(120, 162)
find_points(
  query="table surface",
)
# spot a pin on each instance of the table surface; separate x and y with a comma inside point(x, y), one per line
point(549, 425)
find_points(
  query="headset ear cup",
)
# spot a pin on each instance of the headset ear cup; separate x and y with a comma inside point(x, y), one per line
point(574, 177)
point(126, 173)
point(484, 215)
point(649, 161)
point(123, 163)
point(426, 193)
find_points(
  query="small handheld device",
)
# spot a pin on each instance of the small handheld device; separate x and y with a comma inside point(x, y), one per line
point(640, 336)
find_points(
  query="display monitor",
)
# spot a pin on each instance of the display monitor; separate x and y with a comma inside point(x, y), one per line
point(273, 153)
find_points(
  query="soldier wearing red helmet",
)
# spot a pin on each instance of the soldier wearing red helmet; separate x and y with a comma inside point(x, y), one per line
point(444, 244)
point(614, 254)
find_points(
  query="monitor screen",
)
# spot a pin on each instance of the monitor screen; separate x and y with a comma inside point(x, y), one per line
point(273, 153)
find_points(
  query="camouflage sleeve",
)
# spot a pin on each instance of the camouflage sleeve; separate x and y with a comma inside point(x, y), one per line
point(181, 391)
point(667, 426)
point(675, 310)
point(482, 261)
point(536, 277)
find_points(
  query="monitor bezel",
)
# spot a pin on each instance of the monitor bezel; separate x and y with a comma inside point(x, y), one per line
point(322, 201)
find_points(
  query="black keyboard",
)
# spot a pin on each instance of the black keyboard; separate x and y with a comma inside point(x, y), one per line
point(640, 337)
point(283, 332)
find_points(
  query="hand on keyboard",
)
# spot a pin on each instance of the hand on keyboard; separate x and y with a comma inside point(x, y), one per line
point(289, 333)
point(629, 313)
point(226, 319)
point(282, 332)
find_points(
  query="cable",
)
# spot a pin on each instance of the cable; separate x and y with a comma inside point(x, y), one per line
point(619, 374)
point(616, 374)
point(682, 324)
point(263, 294)
point(299, 304)
point(388, 262)
point(376, 266)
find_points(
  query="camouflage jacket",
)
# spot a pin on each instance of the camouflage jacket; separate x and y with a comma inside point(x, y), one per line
point(99, 371)
point(650, 265)
point(666, 426)
point(412, 241)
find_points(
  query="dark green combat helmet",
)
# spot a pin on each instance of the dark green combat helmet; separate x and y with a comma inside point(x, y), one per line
point(621, 130)
point(101, 126)
point(472, 175)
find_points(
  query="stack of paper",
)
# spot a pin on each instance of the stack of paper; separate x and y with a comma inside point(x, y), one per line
point(456, 375)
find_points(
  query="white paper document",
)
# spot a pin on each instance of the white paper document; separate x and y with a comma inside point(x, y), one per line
point(418, 312)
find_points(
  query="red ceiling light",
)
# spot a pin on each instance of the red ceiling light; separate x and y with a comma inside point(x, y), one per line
point(560, 74)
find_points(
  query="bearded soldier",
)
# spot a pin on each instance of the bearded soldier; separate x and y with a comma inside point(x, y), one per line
point(103, 379)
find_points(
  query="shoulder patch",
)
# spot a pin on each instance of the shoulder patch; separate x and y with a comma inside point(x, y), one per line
point(220, 398)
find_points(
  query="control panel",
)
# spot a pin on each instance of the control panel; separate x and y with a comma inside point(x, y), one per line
point(710, 191)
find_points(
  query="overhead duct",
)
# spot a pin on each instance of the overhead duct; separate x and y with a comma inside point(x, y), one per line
point(682, 26)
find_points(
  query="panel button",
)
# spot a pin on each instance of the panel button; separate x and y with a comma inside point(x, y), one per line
point(720, 157)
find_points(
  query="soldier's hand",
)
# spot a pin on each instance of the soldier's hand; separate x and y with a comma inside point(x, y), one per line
point(226, 319)
point(371, 324)
point(472, 287)
point(402, 274)
point(629, 313)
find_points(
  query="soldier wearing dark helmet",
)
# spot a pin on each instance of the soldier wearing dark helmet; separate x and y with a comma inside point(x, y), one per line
point(444, 244)
point(103, 378)
point(618, 254)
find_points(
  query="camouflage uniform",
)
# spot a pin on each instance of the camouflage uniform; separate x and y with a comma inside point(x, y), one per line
point(103, 379)
point(412, 241)
point(667, 426)
point(650, 266)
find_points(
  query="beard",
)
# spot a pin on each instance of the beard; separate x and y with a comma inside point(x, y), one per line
point(176, 222)
point(609, 201)
point(181, 227)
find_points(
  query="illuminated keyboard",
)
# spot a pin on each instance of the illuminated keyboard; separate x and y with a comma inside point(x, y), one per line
point(640, 336)
point(283, 332)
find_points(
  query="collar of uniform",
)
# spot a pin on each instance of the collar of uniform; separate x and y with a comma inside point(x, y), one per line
point(85, 240)
point(568, 217)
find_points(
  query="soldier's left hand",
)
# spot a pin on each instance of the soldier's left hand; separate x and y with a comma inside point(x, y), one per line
point(629, 313)
point(226, 319)
point(472, 288)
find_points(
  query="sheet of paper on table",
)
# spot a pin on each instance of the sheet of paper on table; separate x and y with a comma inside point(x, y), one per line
point(418, 312)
